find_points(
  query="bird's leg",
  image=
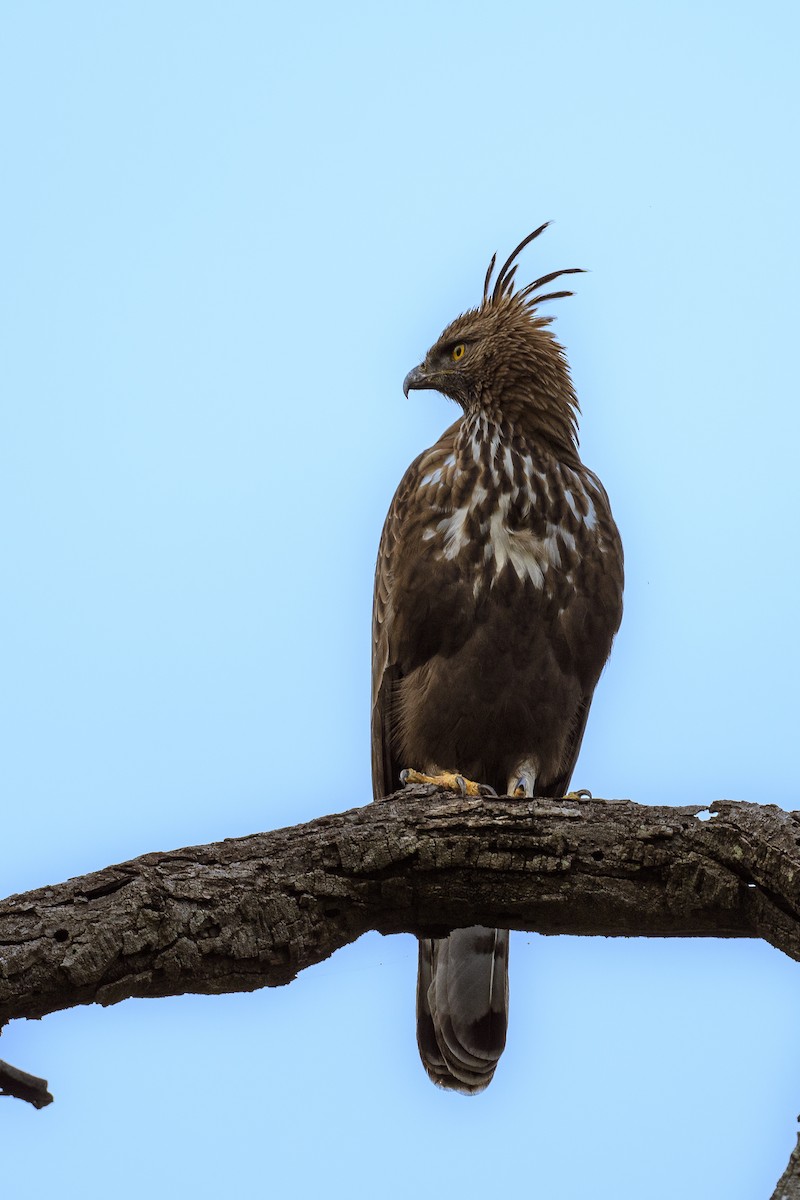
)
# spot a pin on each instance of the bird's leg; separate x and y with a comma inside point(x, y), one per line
point(522, 780)
point(451, 780)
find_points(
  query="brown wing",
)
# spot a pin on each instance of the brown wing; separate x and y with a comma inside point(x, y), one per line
point(386, 673)
point(589, 620)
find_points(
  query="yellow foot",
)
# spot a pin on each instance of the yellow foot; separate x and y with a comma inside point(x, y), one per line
point(581, 794)
point(449, 780)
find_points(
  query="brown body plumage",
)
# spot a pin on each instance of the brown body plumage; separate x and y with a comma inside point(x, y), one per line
point(498, 592)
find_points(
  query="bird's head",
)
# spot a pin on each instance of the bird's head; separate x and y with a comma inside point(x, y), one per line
point(503, 358)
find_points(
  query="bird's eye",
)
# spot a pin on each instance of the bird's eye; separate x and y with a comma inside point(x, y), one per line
point(458, 351)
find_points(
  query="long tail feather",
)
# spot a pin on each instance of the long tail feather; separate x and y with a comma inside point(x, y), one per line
point(462, 1006)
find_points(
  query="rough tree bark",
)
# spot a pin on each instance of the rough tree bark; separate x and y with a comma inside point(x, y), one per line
point(253, 912)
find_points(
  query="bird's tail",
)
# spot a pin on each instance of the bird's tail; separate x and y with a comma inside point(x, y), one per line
point(462, 1006)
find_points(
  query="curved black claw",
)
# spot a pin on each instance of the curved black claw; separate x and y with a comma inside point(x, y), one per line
point(410, 778)
point(487, 790)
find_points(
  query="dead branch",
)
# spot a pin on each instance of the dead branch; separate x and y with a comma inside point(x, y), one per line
point(253, 912)
point(23, 1086)
point(788, 1186)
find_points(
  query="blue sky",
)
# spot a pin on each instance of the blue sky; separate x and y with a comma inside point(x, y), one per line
point(228, 232)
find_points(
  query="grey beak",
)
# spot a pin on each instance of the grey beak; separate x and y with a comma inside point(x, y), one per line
point(416, 378)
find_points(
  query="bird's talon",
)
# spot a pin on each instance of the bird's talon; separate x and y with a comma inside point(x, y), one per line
point(445, 779)
point(486, 789)
point(579, 794)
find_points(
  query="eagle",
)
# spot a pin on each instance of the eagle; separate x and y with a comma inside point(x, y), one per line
point(498, 592)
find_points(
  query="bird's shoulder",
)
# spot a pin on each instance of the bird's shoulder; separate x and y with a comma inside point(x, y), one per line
point(486, 520)
point(485, 495)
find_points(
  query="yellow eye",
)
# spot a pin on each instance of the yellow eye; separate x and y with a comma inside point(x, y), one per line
point(458, 351)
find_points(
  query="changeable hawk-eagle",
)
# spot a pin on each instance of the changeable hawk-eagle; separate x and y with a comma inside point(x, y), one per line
point(498, 592)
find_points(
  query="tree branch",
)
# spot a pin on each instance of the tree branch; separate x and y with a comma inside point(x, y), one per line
point(788, 1186)
point(14, 1082)
point(253, 912)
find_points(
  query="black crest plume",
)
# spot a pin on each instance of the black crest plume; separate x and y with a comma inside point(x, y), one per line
point(504, 283)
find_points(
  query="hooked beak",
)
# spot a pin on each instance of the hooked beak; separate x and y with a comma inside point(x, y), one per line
point(416, 378)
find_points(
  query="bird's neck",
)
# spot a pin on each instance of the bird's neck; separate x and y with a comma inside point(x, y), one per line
point(546, 423)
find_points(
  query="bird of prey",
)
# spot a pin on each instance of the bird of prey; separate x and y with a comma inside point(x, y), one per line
point(498, 592)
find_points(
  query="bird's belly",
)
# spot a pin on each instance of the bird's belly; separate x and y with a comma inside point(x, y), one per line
point(500, 699)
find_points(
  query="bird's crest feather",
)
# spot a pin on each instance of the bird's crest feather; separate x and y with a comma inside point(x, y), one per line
point(504, 283)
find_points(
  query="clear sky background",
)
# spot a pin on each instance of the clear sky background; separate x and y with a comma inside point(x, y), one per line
point(228, 230)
